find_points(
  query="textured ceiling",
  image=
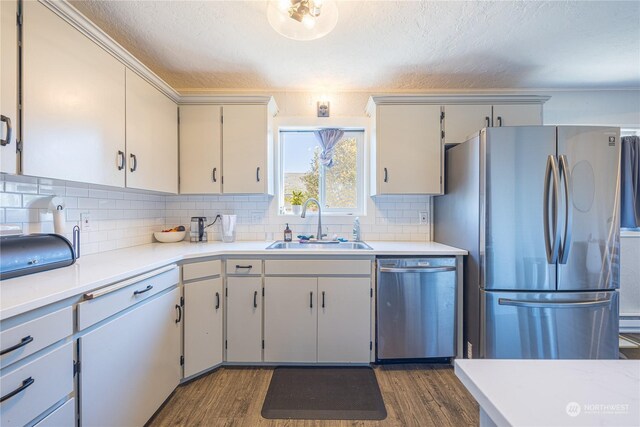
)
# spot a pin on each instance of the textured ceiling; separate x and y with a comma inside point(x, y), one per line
point(383, 45)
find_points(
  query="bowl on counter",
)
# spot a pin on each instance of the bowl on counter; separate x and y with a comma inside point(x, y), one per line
point(169, 236)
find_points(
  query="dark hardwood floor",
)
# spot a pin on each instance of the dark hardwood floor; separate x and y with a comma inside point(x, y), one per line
point(414, 395)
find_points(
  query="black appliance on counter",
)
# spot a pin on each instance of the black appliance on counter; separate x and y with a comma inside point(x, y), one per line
point(33, 253)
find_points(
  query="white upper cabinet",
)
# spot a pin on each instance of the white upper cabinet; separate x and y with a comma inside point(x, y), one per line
point(200, 149)
point(461, 121)
point(73, 103)
point(517, 115)
point(408, 149)
point(152, 137)
point(8, 85)
point(246, 140)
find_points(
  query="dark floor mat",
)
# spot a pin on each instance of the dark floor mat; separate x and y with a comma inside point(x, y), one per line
point(324, 393)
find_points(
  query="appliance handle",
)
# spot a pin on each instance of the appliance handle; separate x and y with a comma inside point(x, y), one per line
point(424, 269)
point(565, 247)
point(553, 304)
point(551, 172)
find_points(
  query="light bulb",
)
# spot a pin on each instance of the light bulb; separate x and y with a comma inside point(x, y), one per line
point(309, 21)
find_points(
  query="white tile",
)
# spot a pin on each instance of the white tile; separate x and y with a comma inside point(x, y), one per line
point(77, 192)
point(10, 200)
point(98, 194)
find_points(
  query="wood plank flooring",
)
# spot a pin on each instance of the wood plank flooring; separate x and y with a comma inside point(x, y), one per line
point(414, 395)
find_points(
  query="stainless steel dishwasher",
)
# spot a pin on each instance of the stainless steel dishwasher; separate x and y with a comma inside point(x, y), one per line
point(416, 308)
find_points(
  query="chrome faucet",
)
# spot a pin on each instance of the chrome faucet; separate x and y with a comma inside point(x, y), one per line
point(304, 213)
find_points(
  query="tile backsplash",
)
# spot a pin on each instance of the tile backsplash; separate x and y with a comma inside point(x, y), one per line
point(123, 218)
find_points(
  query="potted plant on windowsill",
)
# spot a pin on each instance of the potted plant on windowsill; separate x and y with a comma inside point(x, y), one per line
point(297, 197)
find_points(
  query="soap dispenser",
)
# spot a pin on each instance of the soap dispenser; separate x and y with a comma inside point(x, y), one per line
point(287, 234)
point(356, 230)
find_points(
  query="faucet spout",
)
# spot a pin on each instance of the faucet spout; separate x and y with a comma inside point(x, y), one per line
point(304, 213)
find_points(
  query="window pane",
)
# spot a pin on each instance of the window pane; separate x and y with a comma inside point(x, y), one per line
point(341, 184)
point(300, 166)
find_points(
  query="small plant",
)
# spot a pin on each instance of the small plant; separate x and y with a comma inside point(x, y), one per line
point(297, 197)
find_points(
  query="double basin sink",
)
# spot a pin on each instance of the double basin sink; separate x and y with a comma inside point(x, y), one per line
point(328, 245)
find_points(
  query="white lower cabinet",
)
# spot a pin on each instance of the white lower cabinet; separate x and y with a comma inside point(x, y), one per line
point(244, 319)
point(290, 319)
point(324, 319)
point(35, 387)
point(344, 320)
point(131, 364)
point(203, 323)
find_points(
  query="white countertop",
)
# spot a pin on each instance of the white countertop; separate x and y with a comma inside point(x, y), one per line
point(90, 272)
point(555, 392)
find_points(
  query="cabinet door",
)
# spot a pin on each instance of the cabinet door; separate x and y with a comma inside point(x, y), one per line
point(8, 85)
point(461, 121)
point(344, 319)
point(73, 118)
point(245, 141)
point(409, 149)
point(517, 115)
point(152, 137)
point(244, 319)
point(203, 314)
point(290, 319)
point(130, 364)
point(200, 149)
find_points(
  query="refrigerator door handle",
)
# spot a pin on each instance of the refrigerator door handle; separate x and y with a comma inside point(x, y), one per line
point(553, 304)
point(551, 172)
point(565, 247)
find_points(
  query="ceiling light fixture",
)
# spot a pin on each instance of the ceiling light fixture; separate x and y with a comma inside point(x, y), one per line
point(302, 19)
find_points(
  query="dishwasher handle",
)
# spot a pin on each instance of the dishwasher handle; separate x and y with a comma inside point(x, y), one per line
point(419, 269)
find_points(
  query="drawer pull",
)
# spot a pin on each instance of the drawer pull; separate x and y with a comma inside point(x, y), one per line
point(217, 300)
point(179, 308)
point(25, 383)
point(147, 289)
point(26, 340)
point(249, 267)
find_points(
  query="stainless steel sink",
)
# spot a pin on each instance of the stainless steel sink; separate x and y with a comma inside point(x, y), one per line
point(329, 245)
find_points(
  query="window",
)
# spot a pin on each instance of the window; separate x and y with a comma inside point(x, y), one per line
point(339, 188)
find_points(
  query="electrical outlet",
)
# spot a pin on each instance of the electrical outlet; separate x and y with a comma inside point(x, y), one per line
point(424, 217)
point(85, 221)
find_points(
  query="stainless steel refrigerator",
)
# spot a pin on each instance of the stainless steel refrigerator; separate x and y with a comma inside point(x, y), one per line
point(537, 209)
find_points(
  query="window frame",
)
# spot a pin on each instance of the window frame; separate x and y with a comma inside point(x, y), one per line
point(360, 209)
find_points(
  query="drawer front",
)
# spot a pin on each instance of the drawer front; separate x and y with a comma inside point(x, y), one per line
point(244, 267)
point(343, 267)
point(94, 310)
point(65, 415)
point(25, 339)
point(198, 270)
point(44, 382)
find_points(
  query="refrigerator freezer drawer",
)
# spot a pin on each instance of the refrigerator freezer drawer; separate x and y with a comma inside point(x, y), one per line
point(550, 325)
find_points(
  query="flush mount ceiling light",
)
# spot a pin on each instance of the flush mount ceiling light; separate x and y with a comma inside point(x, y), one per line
point(303, 19)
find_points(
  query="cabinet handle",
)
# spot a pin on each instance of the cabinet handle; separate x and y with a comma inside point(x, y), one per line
point(179, 308)
point(121, 162)
point(25, 383)
point(213, 175)
point(499, 121)
point(255, 299)
point(311, 299)
point(147, 289)
point(488, 119)
point(322, 299)
point(7, 120)
point(386, 175)
point(135, 162)
point(24, 341)
point(258, 174)
point(217, 300)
